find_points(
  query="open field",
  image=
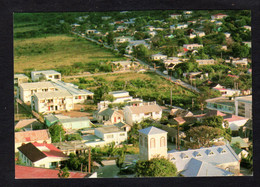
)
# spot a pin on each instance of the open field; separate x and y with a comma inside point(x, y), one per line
point(148, 86)
point(56, 51)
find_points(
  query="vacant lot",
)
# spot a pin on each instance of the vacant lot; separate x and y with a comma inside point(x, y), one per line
point(54, 52)
point(148, 86)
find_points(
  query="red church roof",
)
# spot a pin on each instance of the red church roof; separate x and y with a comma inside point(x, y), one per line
point(26, 172)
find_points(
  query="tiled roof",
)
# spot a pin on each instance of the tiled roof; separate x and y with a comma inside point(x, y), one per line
point(145, 109)
point(24, 122)
point(180, 120)
point(26, 172)
point(234, 118)
point(31, 136)
point(152, 130)
point(35, 85)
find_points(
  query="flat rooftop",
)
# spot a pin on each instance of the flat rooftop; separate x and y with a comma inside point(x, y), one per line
point(109, 129)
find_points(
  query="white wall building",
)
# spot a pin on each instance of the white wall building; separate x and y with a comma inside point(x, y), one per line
point(158, 57)
point(46, 75)
point(26, 90)
point(243, 106)
point(52, 101)
point(192, 46)
point(136, 114)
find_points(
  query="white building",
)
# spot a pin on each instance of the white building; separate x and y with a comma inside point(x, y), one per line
point(20, 78)
point(218, 16)
point(46, 75)
point(122, 39)
point(41, 155)
point(158, 57)
point(152, 143)
point(202, 62)
point(26, 90)
point(175, 16)
point(226, 91)
point(111, 133)
point(136, 114)
point(79, 95)
point(192, 46)
point(242, 62)
point(243, 106)
point(52, 101)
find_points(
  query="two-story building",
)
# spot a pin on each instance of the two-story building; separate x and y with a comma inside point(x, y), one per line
point(243, 106)
point(109, 116)
point(48, 102)
point(192, 46)
point(45, 75)
point(136, 114)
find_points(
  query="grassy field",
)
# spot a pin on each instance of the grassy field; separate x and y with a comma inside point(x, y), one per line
point(56, 51)
point(148, 86)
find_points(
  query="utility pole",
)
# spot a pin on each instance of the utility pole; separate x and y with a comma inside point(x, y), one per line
point(171, 97)
point(89, 160)
point(178, 137)
point(192, 103)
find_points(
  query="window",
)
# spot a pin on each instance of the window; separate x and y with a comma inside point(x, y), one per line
point(173, 158)
point(152, 143)
point(162, 141)
point(110, 136)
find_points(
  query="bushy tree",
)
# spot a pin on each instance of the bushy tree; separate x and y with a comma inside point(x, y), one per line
point(64, 173)
point(156, 167)
point(214, 121)
point(57, 133)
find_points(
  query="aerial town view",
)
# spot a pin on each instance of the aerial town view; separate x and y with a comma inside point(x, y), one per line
point(132, 94)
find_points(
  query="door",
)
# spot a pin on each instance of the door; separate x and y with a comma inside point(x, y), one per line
point(114, 119)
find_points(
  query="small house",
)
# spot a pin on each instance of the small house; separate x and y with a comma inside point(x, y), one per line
point(50, 75)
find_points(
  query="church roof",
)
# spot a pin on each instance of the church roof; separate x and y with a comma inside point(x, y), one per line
point(152, 130)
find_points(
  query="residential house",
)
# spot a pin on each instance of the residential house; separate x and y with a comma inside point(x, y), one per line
point(26, 90)
point(218, 16)
point(200, 33)
point(28, 172)
point(187, 12)
point(109, 116)
point(180, 112)
point(191, 36)
point(91, 31)
point(41, 155)
point(247, 27)
point(152, 33)
point(121, 28)
point(120, 97)
point(44, 102)
point(242, 62)
point(79, 95)
point(235, 122)
point(134, 43)
point(152, 143)
point(76, 147)
point(39, 136)
point(203, 62)
point(123, 126)
point(248, 44)
point(20, 78)
point(106, 17)
point(242, 143)
point(157, 57)
point(175, 16)
point(192, 46)
point(136, 114)
point(75, 123)
point(218, 23)
point(210, 161)
point(226, 91)
point(173, 61)
point(50, 75)
point(227, 34)
point(111, 133)
point(179, 26)
point(243, 106)
point(223, 104)
point(26, 123)
point(122, 39)
point(126, 64)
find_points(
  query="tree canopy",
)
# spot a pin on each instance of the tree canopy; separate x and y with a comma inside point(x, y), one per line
point(57, 133)
point(156, 167)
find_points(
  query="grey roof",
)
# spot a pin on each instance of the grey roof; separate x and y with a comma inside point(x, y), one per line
point(197, 168)
point(52, 94)
point(69, 120)
point(214, 155)
point(51, 118)
point(107, 112)
point(20, 76)
point(35, 85)
point(109, 129)
point(118, 92)
point(152, 130)
point(71, 88)
point(47, 72)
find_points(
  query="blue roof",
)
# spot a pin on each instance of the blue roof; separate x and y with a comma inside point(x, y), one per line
point(152, 130)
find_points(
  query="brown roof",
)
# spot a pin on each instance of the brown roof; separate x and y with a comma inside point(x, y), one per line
point(181, 113)
point(31, 136)
point(145, 109)
point(214, 113)
point(24, 123)
point(31, 152)
point(180, 120)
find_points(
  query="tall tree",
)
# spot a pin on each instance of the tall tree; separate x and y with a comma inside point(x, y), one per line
point(57, 133)
point(156, 167)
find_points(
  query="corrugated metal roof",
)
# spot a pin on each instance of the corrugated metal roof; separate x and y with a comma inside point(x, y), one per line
point(71, 88)
point(34, 135)
point(35, 85)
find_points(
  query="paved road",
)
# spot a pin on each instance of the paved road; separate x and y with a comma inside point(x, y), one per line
point(181, 83)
